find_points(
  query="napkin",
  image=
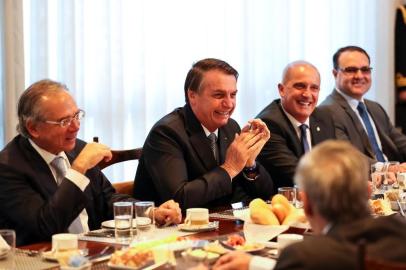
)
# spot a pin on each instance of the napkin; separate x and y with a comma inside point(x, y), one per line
point(3, 244)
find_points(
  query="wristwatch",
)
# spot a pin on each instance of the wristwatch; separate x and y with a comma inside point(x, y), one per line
point(251, 173)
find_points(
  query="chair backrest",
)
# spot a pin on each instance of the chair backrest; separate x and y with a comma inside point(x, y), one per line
point(120, 156)
point(368, 263)
point(126, 187)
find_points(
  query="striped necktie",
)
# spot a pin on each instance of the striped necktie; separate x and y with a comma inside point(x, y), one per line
point(213, 145)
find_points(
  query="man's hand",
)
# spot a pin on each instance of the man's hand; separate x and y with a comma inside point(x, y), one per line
point(246, 146)
point(237, 260)
point(168, 213)
point(90, 156)
point(262, 135)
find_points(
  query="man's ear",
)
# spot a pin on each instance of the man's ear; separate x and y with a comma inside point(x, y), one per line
point(334, 73)
point(32, 128)
point(281, 89)
point(191, 95)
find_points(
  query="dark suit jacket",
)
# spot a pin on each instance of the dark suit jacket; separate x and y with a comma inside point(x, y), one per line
point(35, 207)
point(281, 154)
point(385, 239)
point(177, 163)
point(349, 127)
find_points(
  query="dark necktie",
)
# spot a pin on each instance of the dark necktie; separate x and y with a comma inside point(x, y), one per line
point(303, 138)
point(60, 168)
point(371, 134)
point(213, 145)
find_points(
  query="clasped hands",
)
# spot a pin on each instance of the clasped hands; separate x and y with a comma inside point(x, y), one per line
point(246, 146)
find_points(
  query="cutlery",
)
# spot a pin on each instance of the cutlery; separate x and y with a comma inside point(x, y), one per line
point(100, 234)
point(400, 208)
point(103, 254)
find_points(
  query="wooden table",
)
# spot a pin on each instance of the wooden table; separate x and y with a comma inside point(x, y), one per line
point(225, 227)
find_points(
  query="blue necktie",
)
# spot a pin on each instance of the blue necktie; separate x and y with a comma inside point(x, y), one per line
point(303, 138)
point(371, 134)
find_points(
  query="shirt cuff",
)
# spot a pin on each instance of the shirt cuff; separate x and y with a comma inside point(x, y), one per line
point(261, 263)
point(77, 178)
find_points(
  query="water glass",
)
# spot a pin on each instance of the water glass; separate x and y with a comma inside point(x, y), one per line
point(123, 219)
point(7, 249)
point(289, 193)
point(145, 220)
point(299, 197)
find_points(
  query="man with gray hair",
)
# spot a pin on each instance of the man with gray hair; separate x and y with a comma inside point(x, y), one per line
point(333, 178)
point(49, 180)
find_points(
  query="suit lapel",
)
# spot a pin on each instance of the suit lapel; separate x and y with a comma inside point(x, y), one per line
point(198, 139)
point(44, 177)
point(290, 129)
point(354, 118)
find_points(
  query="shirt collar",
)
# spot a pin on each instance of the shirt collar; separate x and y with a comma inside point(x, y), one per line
point(207, 132)
point(293, 120)
point(353, 102)
point(47, 156)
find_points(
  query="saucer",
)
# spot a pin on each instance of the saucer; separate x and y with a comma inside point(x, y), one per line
point(211, 226)
point(110, 224)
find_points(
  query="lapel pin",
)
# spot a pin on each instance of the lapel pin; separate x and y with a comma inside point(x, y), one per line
point(318, 128)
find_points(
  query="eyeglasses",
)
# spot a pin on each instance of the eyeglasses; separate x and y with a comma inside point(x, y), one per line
point(354, 70)
point(68, 121)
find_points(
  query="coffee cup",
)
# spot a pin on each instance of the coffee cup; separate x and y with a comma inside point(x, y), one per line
point(197, 216)
point(64, 242)
point(287, 239)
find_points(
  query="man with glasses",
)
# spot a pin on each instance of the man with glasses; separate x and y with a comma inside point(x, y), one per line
point(49, 181)
point(361, 121)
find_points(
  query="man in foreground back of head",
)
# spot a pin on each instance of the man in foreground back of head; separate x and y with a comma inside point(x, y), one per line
point(333, 177)
point(49, 180)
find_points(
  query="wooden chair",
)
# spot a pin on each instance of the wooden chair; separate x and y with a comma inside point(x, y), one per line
point(368, 263)
point(125, 187)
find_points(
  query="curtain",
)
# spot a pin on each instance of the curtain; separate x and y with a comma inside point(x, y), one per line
point(125, 61)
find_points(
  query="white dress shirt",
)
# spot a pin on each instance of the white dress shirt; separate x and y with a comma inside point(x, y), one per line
point(296, 124)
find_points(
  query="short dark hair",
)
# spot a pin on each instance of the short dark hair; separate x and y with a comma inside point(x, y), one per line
point(28, 105)
point(350, 48)
point(195, 75)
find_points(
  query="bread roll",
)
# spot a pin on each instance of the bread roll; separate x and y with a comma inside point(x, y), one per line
point(263, 216)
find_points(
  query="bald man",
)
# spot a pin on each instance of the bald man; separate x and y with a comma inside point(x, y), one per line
point(295, 123)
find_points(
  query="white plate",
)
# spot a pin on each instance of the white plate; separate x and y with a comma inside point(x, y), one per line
point(146, 267)
point(50, 255)
point(110, 224)
point(250, 248)
point(211, 226)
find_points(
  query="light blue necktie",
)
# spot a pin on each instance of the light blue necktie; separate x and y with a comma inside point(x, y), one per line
point(371, 134)
point(60, 168)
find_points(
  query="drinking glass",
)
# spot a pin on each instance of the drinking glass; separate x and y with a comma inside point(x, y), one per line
point(289, 193)
point(145, 220)
point(299, 197)
point(7, 249)
point(123, 219)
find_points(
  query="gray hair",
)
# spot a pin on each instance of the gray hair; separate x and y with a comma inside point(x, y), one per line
point(334, 176)
point(29, 108)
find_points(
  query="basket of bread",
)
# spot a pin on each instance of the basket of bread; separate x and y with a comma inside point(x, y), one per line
point(279, 212)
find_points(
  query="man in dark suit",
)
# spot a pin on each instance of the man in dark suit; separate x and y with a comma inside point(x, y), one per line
point(40, 197)
point(361, 121)
point(333, 179)
point(180, 162)
point(294, 122)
